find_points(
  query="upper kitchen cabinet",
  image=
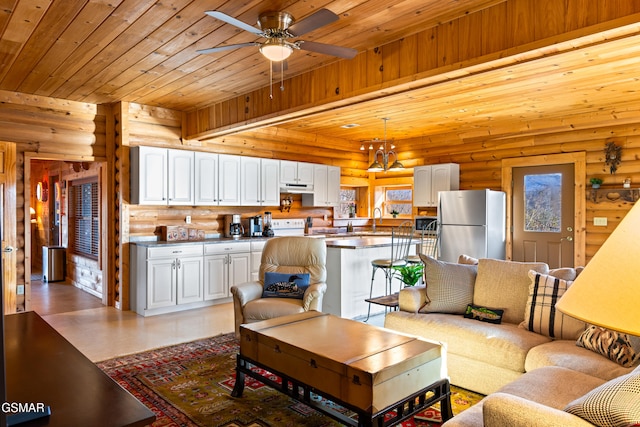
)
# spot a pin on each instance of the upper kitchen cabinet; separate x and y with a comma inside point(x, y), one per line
point(149, 176)
point(206, 179)
point(297, 173)
point(181, 178)
point(161, 176)
point(259, 180)
point(326, 187)
point(431, 179)
point(229, 180)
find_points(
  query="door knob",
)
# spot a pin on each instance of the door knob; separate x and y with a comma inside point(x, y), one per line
point(8, 249)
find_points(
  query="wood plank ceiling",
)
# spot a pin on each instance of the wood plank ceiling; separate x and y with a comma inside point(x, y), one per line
point(144, 51)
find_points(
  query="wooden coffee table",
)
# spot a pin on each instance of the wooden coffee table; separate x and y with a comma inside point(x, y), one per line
point(369, 370)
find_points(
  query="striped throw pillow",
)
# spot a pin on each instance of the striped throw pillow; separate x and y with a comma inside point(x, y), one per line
point(541, 315)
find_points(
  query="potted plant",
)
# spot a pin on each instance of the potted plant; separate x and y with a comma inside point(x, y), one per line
point(394, 213)
point(410, 274)
point(595, 182)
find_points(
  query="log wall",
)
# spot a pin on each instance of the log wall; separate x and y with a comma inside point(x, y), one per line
point(52, 129)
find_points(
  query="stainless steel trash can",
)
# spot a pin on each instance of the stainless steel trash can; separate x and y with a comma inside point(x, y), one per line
point(53, 261)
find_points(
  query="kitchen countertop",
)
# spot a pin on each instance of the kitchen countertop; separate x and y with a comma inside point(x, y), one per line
point(359, 242)
point(215, 240)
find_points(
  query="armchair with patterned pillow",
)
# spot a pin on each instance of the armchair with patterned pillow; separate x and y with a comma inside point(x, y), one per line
point(292, 279)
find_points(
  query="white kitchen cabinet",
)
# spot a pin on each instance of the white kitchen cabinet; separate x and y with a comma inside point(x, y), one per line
point(166, 278)
point(256, 258)
point(260, 183)
point(296, 172)
point(326, 187)
point(206, 179)
point(270, 182)
point(149, 175)
point(181, 177)
point(225, 265)
point(431, 179)
point(228, 180)
point(161, 176)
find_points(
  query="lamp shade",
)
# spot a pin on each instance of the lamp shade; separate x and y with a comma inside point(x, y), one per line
point(607, 292)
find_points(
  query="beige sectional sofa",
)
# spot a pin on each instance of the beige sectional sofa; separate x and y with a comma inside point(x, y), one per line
point(527, 362)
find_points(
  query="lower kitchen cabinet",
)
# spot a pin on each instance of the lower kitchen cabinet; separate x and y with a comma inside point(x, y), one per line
point(224, 266)
point(168, 277)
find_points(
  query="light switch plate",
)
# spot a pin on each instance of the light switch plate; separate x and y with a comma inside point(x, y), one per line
point(600, 221)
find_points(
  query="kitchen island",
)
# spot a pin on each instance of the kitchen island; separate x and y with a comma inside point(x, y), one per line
point(349, 274)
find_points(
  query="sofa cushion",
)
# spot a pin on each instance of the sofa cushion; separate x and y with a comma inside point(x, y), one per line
point(505, 285)
point(541, 315)
point(449, 286)
point(615, 403)
point(505, 345)
point(285, 285)
point(621, 348)
point(567, 354)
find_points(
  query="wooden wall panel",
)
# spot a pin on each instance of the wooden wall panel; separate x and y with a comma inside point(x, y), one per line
point(497, 28)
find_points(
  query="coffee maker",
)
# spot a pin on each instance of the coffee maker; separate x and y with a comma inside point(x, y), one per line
point(233, 227)
point(253, 226)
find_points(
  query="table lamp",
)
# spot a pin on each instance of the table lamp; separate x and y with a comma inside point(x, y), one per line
point(607, 292)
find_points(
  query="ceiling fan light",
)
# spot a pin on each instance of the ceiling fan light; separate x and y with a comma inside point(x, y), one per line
point(276, 50)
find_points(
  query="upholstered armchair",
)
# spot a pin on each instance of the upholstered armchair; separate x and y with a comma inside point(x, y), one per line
point(292, 255)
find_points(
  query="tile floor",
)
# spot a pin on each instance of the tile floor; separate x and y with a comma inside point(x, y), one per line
point(102, 333)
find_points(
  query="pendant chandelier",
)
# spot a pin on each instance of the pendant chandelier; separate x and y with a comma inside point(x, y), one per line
point(385, 155)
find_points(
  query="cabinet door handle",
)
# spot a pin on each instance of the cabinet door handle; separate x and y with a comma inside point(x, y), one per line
point(173, 265)
point(179, 264)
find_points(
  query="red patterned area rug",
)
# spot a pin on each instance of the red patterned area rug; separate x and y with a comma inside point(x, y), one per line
point(190, 385)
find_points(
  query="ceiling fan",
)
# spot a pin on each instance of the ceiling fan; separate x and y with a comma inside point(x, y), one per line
point(277, 28)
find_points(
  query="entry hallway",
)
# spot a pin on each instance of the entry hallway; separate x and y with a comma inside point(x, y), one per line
point(102, 333)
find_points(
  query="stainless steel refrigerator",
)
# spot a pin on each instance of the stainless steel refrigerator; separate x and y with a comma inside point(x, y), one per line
point(472, 222)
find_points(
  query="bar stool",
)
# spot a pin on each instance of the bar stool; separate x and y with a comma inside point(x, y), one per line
point(428, 243)
point(401, 237)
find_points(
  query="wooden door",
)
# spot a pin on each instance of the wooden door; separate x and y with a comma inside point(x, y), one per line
point(543, 214)
point(8, 217)
point(574, 237)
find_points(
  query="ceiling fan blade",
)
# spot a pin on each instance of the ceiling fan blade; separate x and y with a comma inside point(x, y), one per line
point(227, 47)
point(328, 49)
point(319, 19)
point(233, 21)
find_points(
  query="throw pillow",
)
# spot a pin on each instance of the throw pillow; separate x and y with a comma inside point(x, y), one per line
point(621, 348)
point(614, 403)
point(505, 284)
point(541, 315)
point(484, 314)
point(449, 286)
point(466, 259)
point(285, 285)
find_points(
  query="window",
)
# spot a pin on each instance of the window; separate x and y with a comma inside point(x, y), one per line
point(542, 202)
point(398, 200)
point(84, 218)
point(348, 201)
